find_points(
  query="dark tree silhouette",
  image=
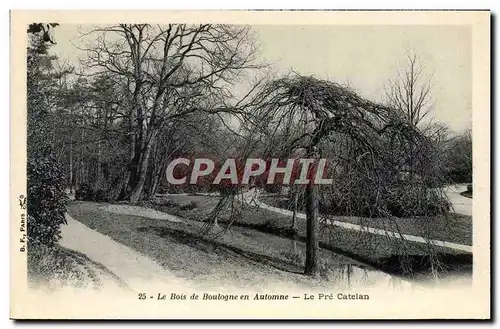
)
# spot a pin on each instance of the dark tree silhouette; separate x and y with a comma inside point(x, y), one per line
point(318, 109)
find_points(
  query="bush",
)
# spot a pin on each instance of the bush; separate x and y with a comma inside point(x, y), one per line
point(400, 201)
point(339, 202)
point(46, 198)
point(85, 192)
point(405, 201)
point(46, 201)
point(101, 195)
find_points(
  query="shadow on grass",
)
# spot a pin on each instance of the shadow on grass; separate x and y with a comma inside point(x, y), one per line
point(396, 257)
point(423, 263)
point(213, 246)
point(405, 265)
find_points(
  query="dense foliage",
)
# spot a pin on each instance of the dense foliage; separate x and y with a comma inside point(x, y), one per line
point(459, 158)
point(45, 176)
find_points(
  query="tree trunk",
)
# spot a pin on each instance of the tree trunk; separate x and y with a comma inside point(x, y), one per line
point(82, 161)
point(134, 133)
point(294, 227)
point(134, 165)
point(97, 183)
point(136, 193)
point(295, 206)
point(123, 187)
point(154, 184)
point(71, 164)
point(214, 215)
point(156, 181)
point(312, 245)
point(130, 179)
point(153, 174)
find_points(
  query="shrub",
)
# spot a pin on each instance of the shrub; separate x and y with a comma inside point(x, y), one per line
point(46, 201)
point(46, 198)
point(101, 195)
point(404, 201)
point(348, 202)
point(84, 192)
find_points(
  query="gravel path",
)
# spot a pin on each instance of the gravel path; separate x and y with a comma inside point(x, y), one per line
point(251, 197)
point(134, 269)
point(461, 205)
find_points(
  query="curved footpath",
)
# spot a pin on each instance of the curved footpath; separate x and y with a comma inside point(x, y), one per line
point(252, 197)
point(132, 267)
point(461, 204)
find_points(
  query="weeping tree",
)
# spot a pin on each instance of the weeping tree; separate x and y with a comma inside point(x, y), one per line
point(308, 113)
point(299, 115)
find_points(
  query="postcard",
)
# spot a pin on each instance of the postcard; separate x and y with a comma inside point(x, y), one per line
point(250, 165)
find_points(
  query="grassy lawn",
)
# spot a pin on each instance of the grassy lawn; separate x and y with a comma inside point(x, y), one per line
point(452, 227)
point(389, 254)
point(243, 255)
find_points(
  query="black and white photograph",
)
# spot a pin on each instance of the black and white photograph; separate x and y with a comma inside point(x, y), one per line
point(251, 165)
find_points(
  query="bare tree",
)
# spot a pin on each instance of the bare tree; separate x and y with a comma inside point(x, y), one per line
point(410, 91)
point(169, 72)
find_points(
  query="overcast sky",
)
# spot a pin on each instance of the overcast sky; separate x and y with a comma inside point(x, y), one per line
point(366, 57)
